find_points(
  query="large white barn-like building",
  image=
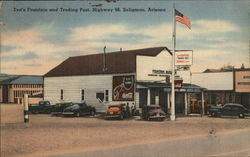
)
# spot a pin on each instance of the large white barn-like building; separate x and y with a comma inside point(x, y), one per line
point(136, 77)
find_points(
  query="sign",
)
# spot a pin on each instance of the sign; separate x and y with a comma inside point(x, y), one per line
point(178, 84)
point(123, 88)
point(183, 58)
point(161, 73)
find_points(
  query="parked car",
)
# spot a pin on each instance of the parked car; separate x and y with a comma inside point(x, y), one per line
point(58, 108)
point(154, 112)
point(41, 107)
point(116, 111)
point(79, 109)
point(228, 110)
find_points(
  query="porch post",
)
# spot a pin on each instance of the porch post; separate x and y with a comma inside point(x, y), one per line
point(148, 97)
point(202, 103)
point(186, 104)
point(168, 94)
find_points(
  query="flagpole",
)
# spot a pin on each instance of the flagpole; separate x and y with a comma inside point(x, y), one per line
point(172, 116)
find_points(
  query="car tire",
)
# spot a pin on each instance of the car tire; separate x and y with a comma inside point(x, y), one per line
point(77, 114)
point(213, 114)
point(241, 115)
point(121, 117)
point(92, 113)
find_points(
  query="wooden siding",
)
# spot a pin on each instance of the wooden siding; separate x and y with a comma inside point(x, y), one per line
point(73, 85)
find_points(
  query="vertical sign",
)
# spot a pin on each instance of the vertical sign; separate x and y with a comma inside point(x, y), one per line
point(123, 88)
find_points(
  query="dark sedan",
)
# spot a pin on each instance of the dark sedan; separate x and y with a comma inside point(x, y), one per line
point(79, 109)
point(228, 110)
point(155, 112)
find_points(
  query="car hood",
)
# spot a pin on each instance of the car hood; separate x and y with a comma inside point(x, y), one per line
point(113, 110)
point(74, 107)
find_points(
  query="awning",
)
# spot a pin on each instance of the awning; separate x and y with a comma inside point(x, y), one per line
point(186, 87)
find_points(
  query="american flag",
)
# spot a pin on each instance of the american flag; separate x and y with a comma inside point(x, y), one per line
point(182, 19)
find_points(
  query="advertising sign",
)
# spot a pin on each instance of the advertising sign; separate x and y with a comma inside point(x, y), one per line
point(123, 88)
point(183, 58)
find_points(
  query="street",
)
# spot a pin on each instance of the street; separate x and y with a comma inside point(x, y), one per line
point(51, 136)
point(229, 144)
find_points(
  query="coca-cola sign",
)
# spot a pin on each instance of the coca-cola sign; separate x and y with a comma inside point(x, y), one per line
point(123, 88)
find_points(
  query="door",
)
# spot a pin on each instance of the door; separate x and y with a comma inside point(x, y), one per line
point(143, 97)
point(5, 94)
point(180, 102)
point(163, 100)
point(227, 111)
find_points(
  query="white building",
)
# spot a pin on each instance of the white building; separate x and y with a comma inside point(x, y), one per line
point(135, 77)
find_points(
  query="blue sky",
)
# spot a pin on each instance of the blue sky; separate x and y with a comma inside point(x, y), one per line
point(35, 42)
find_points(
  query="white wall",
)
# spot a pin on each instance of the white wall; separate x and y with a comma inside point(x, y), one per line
point(145, 65)
point(72, 86)
point(213, 81)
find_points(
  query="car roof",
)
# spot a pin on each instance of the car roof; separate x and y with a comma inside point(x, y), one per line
point(233, 104)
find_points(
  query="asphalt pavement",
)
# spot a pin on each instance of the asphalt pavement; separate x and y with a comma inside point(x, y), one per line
point(232, 144)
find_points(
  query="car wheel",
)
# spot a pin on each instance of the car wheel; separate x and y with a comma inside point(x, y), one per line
point(214, 114)
point(77, 114)
point(121, 117)
point(241, 115)
point(92, 113)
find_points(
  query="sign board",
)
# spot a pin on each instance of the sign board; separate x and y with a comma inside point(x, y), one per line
point(123, 88)
point(183, 58)
point(160, 73)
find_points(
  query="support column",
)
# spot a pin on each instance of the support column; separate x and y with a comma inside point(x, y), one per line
point(168, 93)
point(148, 97)
point(202, 102)
point(186, 104)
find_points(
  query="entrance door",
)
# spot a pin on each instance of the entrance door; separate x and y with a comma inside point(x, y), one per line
point(179, 102)
point(163, 100)
point(5, 94)
point(143, 97)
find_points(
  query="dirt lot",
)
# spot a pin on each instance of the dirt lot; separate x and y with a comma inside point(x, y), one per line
point(48, 135)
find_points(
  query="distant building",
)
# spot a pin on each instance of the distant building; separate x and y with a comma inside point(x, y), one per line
point(231, 86)
point(13, 88)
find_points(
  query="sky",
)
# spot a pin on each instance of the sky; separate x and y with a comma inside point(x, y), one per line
point(36, 36)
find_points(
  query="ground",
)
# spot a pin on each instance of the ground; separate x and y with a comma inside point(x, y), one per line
point(45, 134)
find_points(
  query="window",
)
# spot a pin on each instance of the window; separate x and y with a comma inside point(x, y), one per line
point(100, 96)
point(107, 95)
point(82, 94)
point(61, 94)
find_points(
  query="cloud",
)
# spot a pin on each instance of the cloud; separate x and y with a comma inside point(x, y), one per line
point(23, 57)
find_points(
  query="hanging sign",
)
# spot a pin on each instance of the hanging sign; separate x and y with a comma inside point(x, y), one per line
point(183, 58)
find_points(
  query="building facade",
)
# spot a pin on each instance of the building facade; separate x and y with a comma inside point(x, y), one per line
point(13, 89)
point(136, 77)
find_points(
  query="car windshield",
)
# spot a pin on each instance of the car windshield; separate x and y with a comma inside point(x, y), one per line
point(154, 107)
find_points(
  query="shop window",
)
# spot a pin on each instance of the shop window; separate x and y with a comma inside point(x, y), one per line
point(107, 95)
point(82, 95)
point(61, 94)
point(100, 96)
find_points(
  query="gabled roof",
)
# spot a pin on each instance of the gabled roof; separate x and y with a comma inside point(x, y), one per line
point(23, 80)
point(116, 62)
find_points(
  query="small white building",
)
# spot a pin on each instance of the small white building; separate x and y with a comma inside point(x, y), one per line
point(135, 77)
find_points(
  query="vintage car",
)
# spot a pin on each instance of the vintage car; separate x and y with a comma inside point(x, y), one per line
point(153, 112)
point(41, 107)
point(228, 110)
point(116, 111)
point(79, 109)
point(58, 108)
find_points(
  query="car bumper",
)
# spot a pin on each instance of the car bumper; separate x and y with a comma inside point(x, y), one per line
point(156, 117)
point(68, 113)
point(112, 116)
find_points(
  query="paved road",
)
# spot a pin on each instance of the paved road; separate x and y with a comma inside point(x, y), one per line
point(228, 144)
